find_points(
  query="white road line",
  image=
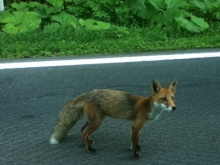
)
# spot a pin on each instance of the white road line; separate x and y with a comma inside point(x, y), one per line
point(36, 64)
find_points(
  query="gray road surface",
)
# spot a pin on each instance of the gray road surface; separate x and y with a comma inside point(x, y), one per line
point(31, 100)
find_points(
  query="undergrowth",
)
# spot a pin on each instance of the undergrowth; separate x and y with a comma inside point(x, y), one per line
point(67, 41)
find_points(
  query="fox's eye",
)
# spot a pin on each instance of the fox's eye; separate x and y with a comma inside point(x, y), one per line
point(163, 99)
point(172, 98)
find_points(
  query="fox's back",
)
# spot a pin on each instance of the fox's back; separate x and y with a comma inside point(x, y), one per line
point(116, 104)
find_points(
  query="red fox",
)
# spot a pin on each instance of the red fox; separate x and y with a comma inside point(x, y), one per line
point(99, 103)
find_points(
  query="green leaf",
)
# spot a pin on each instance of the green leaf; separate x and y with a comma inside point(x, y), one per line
point(5, 16)
point(218, 15)
point(56, 3)
point(199, 22)
point(139, 7)
point(22, 6)
point(163, 12)
point(186, 24)
point(65, 19)
point(20, 22)
point(91, 24)
point(44, 11)
point(158, 4)
point(51, 27)
point(102, 25)
point(192, 23)
point(34, 4)
point(202, 6)
point(198, 4)
point(173, 4)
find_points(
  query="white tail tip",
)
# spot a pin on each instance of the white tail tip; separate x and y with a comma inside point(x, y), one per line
point(53, 140)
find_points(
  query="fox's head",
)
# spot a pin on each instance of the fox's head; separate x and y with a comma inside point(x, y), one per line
point(164, 97)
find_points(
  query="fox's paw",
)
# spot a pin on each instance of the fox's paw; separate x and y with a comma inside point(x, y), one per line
point(138, 148)
point(91, 142)
point(136, 156)
point(53, 140)
point(92, 150)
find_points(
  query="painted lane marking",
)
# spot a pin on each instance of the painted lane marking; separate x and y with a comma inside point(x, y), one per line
point(92, 61)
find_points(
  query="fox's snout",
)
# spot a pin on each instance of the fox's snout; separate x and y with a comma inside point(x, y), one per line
point(173, 108)
point(165, 107)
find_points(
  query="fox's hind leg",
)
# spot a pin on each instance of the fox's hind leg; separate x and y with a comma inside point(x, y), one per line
point(92, 126)
point(94, 122)
point(83, 128)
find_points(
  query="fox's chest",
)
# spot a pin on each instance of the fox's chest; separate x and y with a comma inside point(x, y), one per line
point(155, 114)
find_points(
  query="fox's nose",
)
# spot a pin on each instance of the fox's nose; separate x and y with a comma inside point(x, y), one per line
point(174, 108)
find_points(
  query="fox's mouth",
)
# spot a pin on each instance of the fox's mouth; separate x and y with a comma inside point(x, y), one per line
point(169, 109)
point(164, 107)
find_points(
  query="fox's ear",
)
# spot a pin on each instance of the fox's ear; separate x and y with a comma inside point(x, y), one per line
point(172, 86)
point(156, 86)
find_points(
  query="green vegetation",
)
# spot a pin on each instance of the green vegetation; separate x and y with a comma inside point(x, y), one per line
point(88, 27)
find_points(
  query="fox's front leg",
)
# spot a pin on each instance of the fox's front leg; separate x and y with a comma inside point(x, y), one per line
point(138, 124)
point(135, 138)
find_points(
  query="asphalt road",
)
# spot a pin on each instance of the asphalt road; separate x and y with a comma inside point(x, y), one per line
point(31, 100)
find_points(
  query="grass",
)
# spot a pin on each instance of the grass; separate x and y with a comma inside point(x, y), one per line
point(70, 42)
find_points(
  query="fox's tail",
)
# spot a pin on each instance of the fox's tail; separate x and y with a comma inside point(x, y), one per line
point(70, 114)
